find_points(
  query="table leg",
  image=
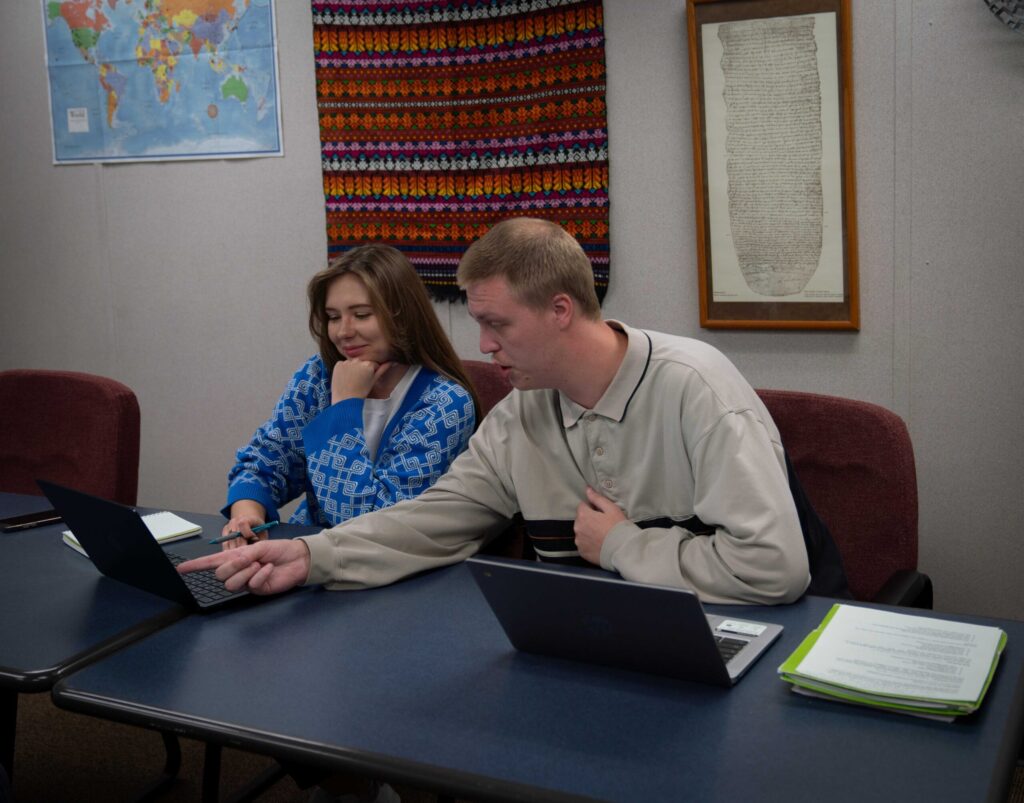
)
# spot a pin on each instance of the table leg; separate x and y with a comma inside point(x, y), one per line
point(211, 773)
point(250, 792)
point(8, 725)
point(172, 764)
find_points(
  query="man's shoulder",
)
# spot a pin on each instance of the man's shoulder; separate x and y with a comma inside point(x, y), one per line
point(694, 366)
point(684, 351)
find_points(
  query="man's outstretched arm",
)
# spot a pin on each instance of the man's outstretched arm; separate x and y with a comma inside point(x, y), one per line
point(266, 567)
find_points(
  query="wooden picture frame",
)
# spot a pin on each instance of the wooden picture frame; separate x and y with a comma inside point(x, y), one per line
point(771, 92)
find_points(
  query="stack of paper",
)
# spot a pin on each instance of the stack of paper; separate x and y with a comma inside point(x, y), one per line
point(897, 661)
point(165, 526)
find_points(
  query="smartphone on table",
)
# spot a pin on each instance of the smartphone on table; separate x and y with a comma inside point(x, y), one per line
point(28, 520)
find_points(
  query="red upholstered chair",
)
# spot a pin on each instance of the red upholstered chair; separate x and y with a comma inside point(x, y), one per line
point(79, 430)
point(855, 461)
point(70, 428)
point(491, 385)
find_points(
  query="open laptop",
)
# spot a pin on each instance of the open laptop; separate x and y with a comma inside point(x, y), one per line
point(591, 616)
point(120, 545)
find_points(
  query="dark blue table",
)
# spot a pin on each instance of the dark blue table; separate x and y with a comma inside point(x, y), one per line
point(57, 613)
point(415, 683)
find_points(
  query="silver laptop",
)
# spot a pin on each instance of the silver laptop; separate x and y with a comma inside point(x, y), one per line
point(592, 616)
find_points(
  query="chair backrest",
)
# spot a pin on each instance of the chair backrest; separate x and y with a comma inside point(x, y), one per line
point(491, 385)
point(856, 464)
point(71, 428)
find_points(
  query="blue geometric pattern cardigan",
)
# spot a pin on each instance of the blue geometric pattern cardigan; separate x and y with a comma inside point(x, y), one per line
point(309, 446)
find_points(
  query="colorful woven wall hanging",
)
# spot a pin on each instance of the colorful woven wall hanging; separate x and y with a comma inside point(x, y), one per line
point(438, 119)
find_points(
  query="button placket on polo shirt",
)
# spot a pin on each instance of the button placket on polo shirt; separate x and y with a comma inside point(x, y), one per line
point(595, 429)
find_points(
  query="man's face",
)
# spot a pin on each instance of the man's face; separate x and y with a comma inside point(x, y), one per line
point(518, 338)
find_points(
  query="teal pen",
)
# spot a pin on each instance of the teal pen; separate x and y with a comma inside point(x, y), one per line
point(232, 536)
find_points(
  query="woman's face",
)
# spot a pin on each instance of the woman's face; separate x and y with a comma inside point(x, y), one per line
point(352, 323)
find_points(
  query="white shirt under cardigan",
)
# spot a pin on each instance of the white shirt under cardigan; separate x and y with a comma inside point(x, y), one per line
point(679, 441)
point(377, 412)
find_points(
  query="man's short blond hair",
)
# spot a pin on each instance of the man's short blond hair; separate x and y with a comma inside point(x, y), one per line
point(537, 258)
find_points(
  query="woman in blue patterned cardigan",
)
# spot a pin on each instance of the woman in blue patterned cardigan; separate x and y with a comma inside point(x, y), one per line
point(375, 417)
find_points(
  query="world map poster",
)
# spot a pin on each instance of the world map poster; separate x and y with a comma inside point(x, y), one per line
point(137, 80)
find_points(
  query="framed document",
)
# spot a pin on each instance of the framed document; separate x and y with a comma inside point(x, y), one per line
point(770, 83)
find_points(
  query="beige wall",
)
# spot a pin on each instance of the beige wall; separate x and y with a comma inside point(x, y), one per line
point(185, 280)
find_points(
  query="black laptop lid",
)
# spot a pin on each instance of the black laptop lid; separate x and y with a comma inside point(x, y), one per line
point(593, 617)
point(118, 543)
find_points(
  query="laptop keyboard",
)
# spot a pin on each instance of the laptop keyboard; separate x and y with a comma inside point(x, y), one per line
point(204, 585)
point(728, 647)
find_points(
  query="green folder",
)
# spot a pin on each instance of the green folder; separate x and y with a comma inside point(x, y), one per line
point(922, 704)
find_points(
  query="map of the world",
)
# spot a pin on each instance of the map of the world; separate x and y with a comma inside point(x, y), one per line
point(162, 79)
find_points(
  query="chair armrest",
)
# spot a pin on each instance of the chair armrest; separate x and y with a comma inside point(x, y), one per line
point(907, 587)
